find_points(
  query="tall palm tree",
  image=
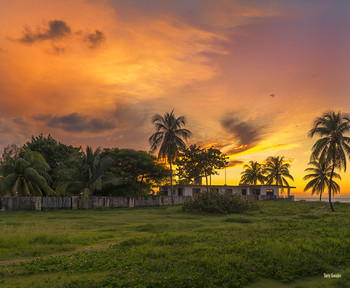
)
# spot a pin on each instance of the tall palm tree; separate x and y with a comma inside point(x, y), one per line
point(26, 175)
point(320, 174)
point(333, 147)
point(277, 171)
point(169, 138)
point(253, 173)
point(91, 174)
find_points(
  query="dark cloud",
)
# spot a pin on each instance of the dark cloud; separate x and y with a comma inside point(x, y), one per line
point(77, 123)
point(234, 163)
point(57, 29)
point(124, 126)
point(56, 50)
point(95, 39)
point(246, 133)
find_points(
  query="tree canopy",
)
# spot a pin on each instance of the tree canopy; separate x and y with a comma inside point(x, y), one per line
point(169, 137)
point(253, 173)
point(26, 175)
point(140, 171)
point(195, 162)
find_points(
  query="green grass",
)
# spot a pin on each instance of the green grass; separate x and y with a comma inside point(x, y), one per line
point(284, 244)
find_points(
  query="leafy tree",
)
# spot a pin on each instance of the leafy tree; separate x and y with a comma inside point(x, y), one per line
point(10, 154)
point(91, 175)
point(139, 171)
point(333, 146)
point(26, 175)
point(55, 153)
point(169, 138)
point(253, 173)
point(320, 174)
point(214, 160)
point(195, 162)
point(277, 171)
point(190, 164)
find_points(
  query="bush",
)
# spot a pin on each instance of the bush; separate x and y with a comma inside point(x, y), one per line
point(214, 202)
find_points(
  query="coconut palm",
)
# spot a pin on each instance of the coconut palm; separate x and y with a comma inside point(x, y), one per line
point(169, 138)
point(333, 147)
point(277, 170)
point(91, 174)
point(253, 173)
point(320, 174)
point(26, 175)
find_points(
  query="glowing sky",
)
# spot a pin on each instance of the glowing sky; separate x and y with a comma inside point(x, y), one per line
point(250, 76)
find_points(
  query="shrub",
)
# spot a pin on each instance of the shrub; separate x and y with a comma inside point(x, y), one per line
point(214, 202)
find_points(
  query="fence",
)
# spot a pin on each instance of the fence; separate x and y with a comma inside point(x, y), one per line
point(76, 202)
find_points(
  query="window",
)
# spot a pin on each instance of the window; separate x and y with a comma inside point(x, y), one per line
point(256, 191)
point(269, 192)
point(180, 191)
point(244, 191)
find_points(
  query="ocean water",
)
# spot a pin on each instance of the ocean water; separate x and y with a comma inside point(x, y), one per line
point(324, 199)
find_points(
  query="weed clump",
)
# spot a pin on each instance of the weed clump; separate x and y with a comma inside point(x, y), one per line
point(216, 203)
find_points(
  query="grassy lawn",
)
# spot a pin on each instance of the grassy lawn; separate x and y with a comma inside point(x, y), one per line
point(284, 244)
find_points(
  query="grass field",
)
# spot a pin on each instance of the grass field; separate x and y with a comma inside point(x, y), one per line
point(284, 244)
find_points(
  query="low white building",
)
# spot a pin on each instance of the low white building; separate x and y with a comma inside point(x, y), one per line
point(260, 192)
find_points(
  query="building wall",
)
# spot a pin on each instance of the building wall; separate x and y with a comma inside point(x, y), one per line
point(187, 190)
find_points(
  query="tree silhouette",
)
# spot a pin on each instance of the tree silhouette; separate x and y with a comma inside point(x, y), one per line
point(333, 146)
point(169, 138)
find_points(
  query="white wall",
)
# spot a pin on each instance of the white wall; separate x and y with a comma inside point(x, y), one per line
point(188, 190)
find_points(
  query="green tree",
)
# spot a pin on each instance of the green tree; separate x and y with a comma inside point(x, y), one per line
point(253, 173)
point(26, 175)
point(333, 146)
point(169, 138)
point(277, 170)
point(92, 174)
point(139, 171)
point(190, 163)
point(320, 175)
point(214, 160)
point(55, 153)
point(194, 162)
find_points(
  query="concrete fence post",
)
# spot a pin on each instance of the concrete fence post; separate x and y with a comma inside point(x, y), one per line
point(74, 202)
point(37, 203)
point(131, 203)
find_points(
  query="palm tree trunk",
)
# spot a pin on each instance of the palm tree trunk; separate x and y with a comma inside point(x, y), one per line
point(206, 181)
point(330, 180)
point(171, 183)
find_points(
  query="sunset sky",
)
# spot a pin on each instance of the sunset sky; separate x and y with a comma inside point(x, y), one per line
point(250, 76)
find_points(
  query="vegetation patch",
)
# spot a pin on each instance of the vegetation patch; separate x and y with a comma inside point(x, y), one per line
point(205, 250)
point(238, 219)
point(214, 202)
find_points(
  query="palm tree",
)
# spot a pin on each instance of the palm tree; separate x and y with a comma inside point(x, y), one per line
point(319, 176)
point(26, 175)
point(333, 147)
point(91, 174)
point(169, 138)
point(277, 171)
point(253, 173)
